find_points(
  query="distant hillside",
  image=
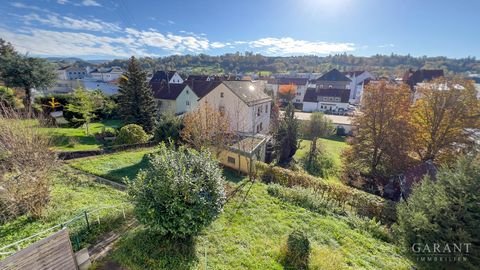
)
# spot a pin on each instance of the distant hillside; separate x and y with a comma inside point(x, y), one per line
point(249, 62)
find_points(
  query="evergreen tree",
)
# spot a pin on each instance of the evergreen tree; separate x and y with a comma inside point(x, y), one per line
point(136, 102)
point(286, 138)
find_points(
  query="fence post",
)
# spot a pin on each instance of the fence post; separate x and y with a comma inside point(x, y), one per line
point(86, 219)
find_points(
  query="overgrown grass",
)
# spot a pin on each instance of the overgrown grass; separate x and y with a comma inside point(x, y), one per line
point(249, 235)
point(333, 147)
point(114, 166)
point(75, 139)
point(71, 194)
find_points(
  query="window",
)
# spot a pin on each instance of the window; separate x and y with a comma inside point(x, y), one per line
point(231, 160)
point(321, 85)
point(266, 107)
point(330, 86)
point(297, 100)
point(221, 94)
point(187, 92)
point(259, 110)
point(222, 110)
point(188, 103)
point(325, 99)
point(299, 94)
point(259, 127)
point(347, 87)
point(337, 99)
point(330, 98)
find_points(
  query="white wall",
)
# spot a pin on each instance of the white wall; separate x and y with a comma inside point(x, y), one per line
point(186, 101)
point(176, 79)
point(242, 117)
point(324, 106)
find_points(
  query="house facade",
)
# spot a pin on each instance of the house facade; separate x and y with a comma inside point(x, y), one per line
point(174, 98)
point(71, 73)
point(106, 74)
point(297, 86)
point(245, 103)
point(326, 100)
point(359, 79)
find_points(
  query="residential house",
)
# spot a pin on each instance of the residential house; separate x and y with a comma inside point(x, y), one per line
point(245, 103)
point(242, 154)
point(412, 78)
point(172, 77)
point(359, 79)
point(333, 79)
point(174, 98)
point(332, 100)
point(71, 73)
point(298, 86)
point(106, 74)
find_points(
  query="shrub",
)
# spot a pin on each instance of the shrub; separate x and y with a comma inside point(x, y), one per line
point(168, 127)
point(179, 193)
point(321, 165)
point(298, 251)
point(131, 134)
point(444, 212)
point(363, 203)
point(305, 198)
point(25, 164)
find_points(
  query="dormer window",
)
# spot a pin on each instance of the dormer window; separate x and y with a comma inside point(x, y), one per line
point(330, 86)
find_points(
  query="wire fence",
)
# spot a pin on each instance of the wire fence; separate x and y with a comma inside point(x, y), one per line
point(83, 228)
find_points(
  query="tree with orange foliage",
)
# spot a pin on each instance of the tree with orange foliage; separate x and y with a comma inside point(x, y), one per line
point(442, 112)
point(207, 127)
point(381, 143)
point(287, 91)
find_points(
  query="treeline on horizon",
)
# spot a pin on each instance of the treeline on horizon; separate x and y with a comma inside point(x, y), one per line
point(380, 65)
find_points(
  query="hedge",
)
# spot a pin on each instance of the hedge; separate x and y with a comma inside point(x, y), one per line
point(361, 202)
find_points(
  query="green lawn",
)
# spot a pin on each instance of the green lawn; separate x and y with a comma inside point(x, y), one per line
point(75, 139)
point(71, 194)
point(114, 166)
point(245, 236)
point(250, 236)
point(333, 147)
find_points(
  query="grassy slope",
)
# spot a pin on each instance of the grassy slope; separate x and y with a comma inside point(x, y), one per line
point(67, 200)
point(333, 147)
point(114, 166)
point(250, 237)
point(75, 139)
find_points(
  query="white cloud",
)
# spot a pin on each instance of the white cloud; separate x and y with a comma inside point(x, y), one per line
point(62, 2)
point(23, 6)
point(169, 41)
point(46, 42)
point(171, 22)
point(290, 46)
point(64, 22)
point(91, 3)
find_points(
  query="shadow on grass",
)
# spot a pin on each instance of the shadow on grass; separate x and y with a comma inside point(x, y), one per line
point(129, 171)
point(232, 175)
point(143, 249)
point(61, 140)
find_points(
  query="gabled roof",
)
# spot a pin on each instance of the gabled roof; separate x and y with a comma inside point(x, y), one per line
point(248, 91)
point(354, 73)
point(333, 75)
point(312, 94)
point(162, 90)
point(162, 75)
point(197, 77)
point(202, 88)
point(294, 81)
point(420, 75)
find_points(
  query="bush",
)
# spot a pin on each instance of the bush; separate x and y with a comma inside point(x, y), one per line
point(363, 203)
point(321, 165)
point(444, 212)
point(25, 164)
point(168, 127)
point(131, 134)
point(180, 193)
point(298, 251)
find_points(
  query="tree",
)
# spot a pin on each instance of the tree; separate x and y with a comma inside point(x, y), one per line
point(206, 127)
point(286, 138)
point(381, 143)
point(6, 48)
point(180, 193)
point(27, 73)
point(444, 212)
point(444, 109)
point(315, 162)
point(135, 101)
point(168, 127)
point(85, 103)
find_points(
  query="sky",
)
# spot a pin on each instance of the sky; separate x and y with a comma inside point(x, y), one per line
point(107, 29)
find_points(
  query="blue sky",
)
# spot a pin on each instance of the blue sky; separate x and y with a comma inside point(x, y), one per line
point(100, 29)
